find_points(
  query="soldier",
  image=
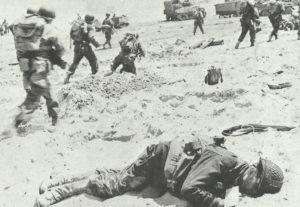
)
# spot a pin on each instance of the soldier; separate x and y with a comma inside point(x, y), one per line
point(276, 10)
point(195, 173)
point(249, 17)
point(198, 22)
point(131, 48)
point(298, 19)
point(34, 60)
point(108, 31)
point(53, 57)
point(83, 36)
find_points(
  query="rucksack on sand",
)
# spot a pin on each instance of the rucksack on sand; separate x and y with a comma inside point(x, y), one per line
point(213, 76)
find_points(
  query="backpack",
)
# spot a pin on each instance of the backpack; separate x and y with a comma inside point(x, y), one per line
point(181, 156)
point(179, 161)
point(128, 43)
point(28, 32)
point(213, 76)
point(77, 30)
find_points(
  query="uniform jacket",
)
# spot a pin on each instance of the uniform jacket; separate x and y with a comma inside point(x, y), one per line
point(249, 13)
point(276, 10)
point(89, 36)
point(198, 16)
point(215, 165)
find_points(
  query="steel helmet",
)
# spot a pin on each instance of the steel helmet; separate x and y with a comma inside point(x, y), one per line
point(89, 18)
point(271, 177)
point(46, 13)
point(31, 11)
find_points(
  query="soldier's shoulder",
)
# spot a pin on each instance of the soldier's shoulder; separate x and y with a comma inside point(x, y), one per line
point(222, 151)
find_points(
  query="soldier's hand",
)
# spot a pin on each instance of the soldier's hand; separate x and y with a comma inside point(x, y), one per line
point(217, 202)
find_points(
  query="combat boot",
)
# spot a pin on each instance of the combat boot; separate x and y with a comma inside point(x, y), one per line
point(61, 192)
point(252, 44)
point(270, 38)
point(237, 45)
point(299, 37)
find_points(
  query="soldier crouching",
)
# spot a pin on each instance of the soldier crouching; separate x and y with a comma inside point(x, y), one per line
point(130, 49)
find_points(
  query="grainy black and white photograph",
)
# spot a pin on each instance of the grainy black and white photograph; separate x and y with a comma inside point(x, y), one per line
point(149, 103)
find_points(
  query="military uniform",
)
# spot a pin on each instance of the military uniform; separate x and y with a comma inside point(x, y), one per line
point(249, 17)
point(83, 49)
point(35, 65)
point(197, 184)
point(108, 31)
point(127, 56)
point(275, 18)
point(198, 22)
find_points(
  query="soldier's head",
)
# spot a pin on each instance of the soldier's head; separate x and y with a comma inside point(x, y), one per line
point(31, 11)
point(259, 179)
point(89, 19)
point(47, 14)
point(107, 15)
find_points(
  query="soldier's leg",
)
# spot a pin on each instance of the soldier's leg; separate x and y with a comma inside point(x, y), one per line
point(195, 27)
point(276, 28)
point(54, 181)
point(59, 193)
point(117, 61)
point(201, 27)
point(51, 105)
point(78, 55)
point(242, 36)
point(129, 66)
point(91, 57)
point(149, 167)
point(30, 104)
point(26, 80)
point(252, 34)
point(109, 39)
point(244, 32)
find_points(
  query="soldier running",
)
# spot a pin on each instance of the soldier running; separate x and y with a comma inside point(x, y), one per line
point(276, 10)
point(83, 36)
point(34, 38)
point(249, 18)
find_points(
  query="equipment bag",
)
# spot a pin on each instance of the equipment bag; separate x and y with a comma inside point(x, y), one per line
point(28, 33)
point(213, 76)
point(77, 30)
point(179, 161)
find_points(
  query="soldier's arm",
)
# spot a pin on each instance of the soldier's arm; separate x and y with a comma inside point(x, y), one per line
point(51, 35)
point(141, 50)
point(193, 188)
point(91, 36)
